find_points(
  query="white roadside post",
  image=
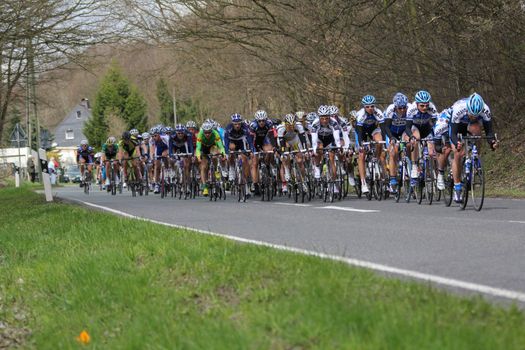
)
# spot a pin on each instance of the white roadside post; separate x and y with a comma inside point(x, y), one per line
point(45, 174)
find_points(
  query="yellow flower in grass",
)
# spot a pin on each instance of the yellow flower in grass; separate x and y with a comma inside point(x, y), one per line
point(84, 337)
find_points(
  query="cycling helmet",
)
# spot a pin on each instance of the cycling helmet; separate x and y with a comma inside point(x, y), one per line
point(423, 97)
point(167, 130)
point(236, 118)
point(475, 104)
point(323, 110)
point(400, 100)
point(261, 115)
point(134, 132)
point(126, 136)
point(111, 140)
point(145, 136)
point(333, 110)
point(276, 121)
point(83, 143)
point(368, 100)
point(207, 126)
point(289, 119)
point(180, 128)
point(300, 115)
point(353, 115)
point(310, 117)
point(191, 124)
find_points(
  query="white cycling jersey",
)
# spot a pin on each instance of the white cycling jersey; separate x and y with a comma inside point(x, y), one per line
point(368, 120)
point(460, 113)
point(419, 118)
point(332, 128)
point(442, 122)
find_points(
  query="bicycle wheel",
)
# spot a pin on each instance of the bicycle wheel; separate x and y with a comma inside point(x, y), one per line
point(464, 191)
point(477, 185)
point(449, 190)
point(429, 182)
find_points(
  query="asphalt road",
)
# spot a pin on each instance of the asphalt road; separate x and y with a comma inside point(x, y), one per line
point(479, 249)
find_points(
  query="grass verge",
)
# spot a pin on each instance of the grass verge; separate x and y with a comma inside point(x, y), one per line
point(133, 284)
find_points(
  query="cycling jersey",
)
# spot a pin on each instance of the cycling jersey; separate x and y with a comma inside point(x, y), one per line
point(110, 153)
point(422, 121)
point(329, 134)
point(261, 133)
point(459, 120)
point(129, 146)
point(442, 123)
point(295, 138)
point(241, 137)
point(395, 123)
point(345, 128)
point(204, 144)
point(184, 145)
point(367, 124)
point(87, 154)
point(161, 145)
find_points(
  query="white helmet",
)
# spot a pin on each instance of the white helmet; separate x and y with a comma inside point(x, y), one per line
point(333, 110)
point(300, 115)
point(323, 110)
point(261, 115)
point(289, 119)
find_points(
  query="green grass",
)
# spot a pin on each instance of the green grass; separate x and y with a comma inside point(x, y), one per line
point(136, 285)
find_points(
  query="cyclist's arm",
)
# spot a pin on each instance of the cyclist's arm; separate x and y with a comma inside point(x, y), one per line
point(489, 131)
point(408, 128)
point(388, 131)
point(218, 143)
point(359, 131)
point(454, 133)
point(337, 138)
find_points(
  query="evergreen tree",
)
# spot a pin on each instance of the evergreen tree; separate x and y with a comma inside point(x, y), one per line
point(111, 99)
point(165, 102)
point(135, 111)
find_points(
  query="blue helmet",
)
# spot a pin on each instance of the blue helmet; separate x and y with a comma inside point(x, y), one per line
point(400, 100)
point(180, 128)
point(167, 130)
point(423, 97)
point(475, 104)
point(236, 118)
point(368, 100)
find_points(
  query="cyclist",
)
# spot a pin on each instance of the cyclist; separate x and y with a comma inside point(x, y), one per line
point(182, 143)
point(85, 155)
point(193, 128)
point(237, 137)
point(442, 144)
point(326, 130)
point(468, 115)
point(370, 122)
point(261, 126)
point(421, 115)
point(208, 142)
point(109, 154)
point(129, 150)
point(346, 128)
point(395, 124)
point(159, 146)
point(291, 134)
point(145, 154)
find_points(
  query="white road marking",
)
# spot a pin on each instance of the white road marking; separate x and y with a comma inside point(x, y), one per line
point(474, 287)
point(517, 222)
point(349, 209)
point(294, 204)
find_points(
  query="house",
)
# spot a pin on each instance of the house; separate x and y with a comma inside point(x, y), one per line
point(68, 133)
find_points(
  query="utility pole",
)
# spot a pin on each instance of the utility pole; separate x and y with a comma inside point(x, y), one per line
point(174, 108)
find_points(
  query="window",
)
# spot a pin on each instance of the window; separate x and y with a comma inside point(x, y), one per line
point(70, 135)
point(79, 114)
